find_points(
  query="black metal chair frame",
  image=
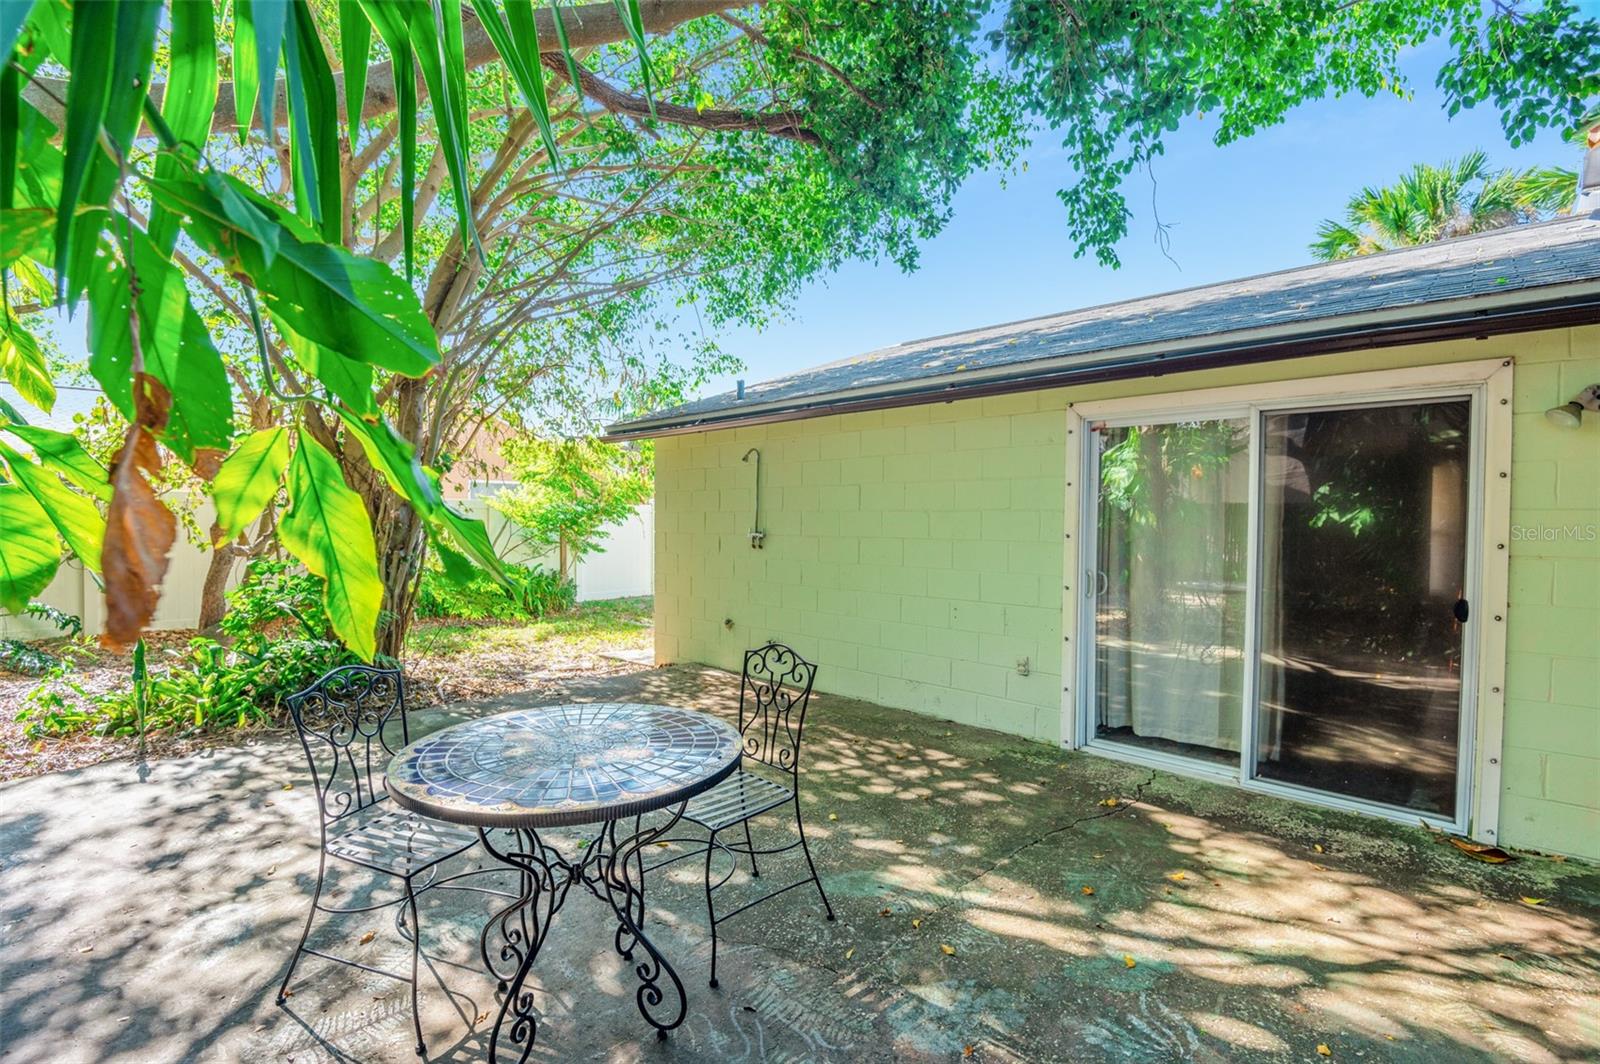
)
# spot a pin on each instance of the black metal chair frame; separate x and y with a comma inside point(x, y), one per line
point(774, 691)
point(348, 713)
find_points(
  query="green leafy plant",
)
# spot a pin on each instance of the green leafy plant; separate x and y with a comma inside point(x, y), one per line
point(535, 592)
point(569, 490)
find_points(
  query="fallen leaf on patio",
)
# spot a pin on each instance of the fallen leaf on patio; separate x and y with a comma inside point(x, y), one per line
point(481, 1017)
point(1318, 847)
point(1110, 803)
point(885, 912)
point(272, 870)
point(1097, 856)
point(663, 845)
point(1320, 868)
point(947, 949)
point(833, 816)
point(899, 757)
point(1128, 961)
point(1087, 891)
point(1532, 901)
point(916, 923)
point(288, 786)
point(1323, 1050)
point(1480, 852)
point(1559, 858)
point(1176, 877)
point(368, 937)
point(851, 952)
point(967, 1051)
point(86, 949)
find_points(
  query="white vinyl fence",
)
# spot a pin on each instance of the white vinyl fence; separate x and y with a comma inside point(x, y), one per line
point(625, 567)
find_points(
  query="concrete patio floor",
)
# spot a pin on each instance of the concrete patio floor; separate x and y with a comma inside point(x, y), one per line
point(146, 913)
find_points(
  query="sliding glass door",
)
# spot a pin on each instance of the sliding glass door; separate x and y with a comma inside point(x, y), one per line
point(1364, 537)
point(1282, 593)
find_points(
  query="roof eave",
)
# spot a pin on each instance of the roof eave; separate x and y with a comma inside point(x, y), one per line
point(1550, 307)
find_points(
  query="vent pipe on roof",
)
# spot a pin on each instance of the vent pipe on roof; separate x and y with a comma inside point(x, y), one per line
point(739, 388)
point(1589, 175)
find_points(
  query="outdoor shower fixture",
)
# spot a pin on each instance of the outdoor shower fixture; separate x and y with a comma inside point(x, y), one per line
point(1570, 415)
point(757, 537)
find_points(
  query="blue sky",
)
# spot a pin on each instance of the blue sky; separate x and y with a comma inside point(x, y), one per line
point(1248, 208)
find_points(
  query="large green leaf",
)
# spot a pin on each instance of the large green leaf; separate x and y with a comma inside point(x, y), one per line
point(355, 306)
point(391, 28)
point(345, 378)
point(355, 43)
point(23, 365)
point(94, 40)
point(62, 452)
point(73, 515)
point(327, 528)
point(270, 18)
point(313, 126)
point(429, 28)
point(248, 480)
point(187, 106)
point(518, 45)
point(29, 550)
point(130, 73)
point(13, 14)
point(396, 458)
point(24, 231)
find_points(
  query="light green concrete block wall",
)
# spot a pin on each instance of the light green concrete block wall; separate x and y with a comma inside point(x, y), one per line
point(917, 555)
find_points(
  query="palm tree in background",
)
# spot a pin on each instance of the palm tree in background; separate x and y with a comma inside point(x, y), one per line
point(1437, 202)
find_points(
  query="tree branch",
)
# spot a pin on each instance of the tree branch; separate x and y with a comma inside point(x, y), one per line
point(787, 124)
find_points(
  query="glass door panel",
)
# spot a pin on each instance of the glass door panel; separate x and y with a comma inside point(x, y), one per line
point(1364, 518)
point(1169, 587)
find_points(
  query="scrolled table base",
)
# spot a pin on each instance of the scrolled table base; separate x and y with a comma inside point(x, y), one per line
point(611, 867)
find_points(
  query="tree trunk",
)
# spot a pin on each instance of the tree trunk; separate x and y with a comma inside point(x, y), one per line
point(213, 595)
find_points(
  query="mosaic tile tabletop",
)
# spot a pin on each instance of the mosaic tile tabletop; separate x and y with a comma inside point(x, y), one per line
point(573, 764)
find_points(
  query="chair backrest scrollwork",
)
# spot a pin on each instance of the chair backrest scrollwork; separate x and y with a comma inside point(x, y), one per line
point(774, 691)
point(343, 720)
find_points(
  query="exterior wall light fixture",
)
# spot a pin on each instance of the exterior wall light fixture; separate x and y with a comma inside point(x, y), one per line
point(1570, 415)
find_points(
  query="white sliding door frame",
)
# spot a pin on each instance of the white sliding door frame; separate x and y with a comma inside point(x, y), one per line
point(1487, 384)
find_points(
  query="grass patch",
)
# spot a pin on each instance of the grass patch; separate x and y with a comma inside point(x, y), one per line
point(591, 626)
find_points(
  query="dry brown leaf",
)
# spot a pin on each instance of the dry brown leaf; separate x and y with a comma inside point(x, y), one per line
point(481, 1017)
point(1176, 877)
point(1533, 901)
point(851, 952)
point(967, 1051)
point(86, 949)
point(916, 923)
point(1323, 1050)
point(885, 912)
point(1128, 961)
point(1318, 847)
point(1479, 851)
point(947, 949)
point(1110, 803)
point(288, 786)
point(833, 816)
point(140, 532)
point(1086, 891)
point(368, 937)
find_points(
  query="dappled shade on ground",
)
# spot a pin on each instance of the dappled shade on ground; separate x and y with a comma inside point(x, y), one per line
point(989, 895)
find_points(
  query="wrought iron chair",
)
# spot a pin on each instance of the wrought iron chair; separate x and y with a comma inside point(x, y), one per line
point(774, 690)
point(344, 721)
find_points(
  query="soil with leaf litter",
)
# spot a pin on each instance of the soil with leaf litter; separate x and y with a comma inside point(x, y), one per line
point(452, 662)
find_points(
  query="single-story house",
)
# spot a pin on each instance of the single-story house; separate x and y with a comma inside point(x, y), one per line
point(1330, 533)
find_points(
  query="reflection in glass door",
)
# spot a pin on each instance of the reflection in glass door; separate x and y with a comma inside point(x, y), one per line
point(1364, 534)
point(1169, 586)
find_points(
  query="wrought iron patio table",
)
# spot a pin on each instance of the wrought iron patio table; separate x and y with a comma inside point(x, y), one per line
point(514, 775)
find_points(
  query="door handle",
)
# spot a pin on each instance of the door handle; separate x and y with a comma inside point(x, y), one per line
point(1461, 610)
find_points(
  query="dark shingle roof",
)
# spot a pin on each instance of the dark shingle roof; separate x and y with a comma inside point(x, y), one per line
point(1516, 266)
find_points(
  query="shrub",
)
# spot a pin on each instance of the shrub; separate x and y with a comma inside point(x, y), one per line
point(282, 642)
point(21, 657)
point(538, 593)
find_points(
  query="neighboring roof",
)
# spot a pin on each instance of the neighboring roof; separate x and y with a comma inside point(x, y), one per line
point(1515, 279)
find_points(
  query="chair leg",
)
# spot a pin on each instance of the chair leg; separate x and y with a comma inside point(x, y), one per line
point(751, 846)
point(305, 932)
point(711, 912)
point(805, 849)
point(416, 952)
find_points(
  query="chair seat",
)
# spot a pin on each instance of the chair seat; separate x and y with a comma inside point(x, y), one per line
point(400, 842)
point(739, 797)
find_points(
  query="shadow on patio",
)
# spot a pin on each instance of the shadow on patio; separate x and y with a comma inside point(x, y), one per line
point(987, 898)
